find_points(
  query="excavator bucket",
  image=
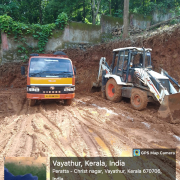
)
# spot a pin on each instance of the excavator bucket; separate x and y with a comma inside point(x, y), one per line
point(96, 84)
point(95, 87)
point(170, 108)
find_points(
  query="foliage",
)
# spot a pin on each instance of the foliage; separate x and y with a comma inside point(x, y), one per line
point(39, 18)
point(61, 20)
point(119, 13)
point(48, 11)
point(87, 22)
point(174, 21)
point(39, 32)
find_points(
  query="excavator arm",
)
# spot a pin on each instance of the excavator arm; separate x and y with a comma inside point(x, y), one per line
point(103, 65)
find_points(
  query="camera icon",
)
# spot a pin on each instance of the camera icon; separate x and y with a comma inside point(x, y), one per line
point(136, 152)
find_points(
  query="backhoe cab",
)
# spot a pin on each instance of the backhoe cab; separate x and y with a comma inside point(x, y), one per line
point(130, 75)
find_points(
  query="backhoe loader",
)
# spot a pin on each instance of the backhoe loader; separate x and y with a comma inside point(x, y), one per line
point(130, 75)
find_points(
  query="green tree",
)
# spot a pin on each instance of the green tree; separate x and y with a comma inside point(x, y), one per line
point(95, 9)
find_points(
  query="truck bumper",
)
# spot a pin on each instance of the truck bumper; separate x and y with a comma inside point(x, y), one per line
point(50, 96)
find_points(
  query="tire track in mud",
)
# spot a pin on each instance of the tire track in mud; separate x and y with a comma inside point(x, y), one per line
point(96, 133)
point(15, 143)
point(42, 137)
point(133, 139)
point(53, 129)
point(85, 120)
point(28, 146)
point(137, 141)
point(84, 134)
point(56, 134)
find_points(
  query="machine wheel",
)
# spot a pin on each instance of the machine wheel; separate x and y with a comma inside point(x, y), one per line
point(139, 99)
point(67, 102)
point(32, 102)
point(113, 91)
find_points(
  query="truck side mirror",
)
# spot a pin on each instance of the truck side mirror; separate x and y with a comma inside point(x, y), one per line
point(22, 70)
point(74, 70)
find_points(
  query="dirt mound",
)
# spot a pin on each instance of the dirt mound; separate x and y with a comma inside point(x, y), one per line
point(10, 76)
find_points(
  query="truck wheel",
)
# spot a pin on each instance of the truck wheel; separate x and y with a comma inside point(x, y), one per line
point(67, 102)
point(32, 102)
point(113, 91)
point(139, 99)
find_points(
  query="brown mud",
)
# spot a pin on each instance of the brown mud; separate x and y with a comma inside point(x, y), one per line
point(91, 126)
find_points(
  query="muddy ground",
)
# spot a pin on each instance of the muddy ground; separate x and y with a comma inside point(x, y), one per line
point(91, 126)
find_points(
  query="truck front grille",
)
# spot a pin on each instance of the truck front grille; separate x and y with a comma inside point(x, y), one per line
point(51, 92)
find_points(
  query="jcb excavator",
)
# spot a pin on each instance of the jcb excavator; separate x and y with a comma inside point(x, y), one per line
point(130, 75)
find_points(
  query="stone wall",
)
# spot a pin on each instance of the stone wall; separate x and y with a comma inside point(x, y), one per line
point(157, 17)
point(75, 35)
point(79, 35)
point(139, 22)
point(107, 23)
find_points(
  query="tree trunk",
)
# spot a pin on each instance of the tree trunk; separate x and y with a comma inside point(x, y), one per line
point(40, 12)
point(95, 10)
point(94, 20)
point(110, 7)
point(126, 19)
point(84, 10)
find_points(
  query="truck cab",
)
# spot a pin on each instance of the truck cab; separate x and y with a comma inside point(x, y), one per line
point(50, 76)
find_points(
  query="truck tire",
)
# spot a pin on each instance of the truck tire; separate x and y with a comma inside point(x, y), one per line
point(139, 99)
point(32, 102)
point(67, 102)
point(113, 91)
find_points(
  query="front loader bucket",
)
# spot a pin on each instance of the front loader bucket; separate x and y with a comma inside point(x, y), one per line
point(170, 108)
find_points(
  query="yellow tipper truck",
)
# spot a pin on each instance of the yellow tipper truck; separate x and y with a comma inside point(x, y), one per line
point(50, 76)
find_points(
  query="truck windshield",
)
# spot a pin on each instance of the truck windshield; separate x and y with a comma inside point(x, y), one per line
point(44, 67)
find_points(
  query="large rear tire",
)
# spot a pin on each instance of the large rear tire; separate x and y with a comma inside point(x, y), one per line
point(67, 102)
point(32, 102)
point(139, 99)
point(113, 91)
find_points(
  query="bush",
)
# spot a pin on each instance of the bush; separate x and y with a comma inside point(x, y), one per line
point(61, 20)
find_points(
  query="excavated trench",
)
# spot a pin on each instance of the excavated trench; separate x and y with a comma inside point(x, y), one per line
point(91, 126)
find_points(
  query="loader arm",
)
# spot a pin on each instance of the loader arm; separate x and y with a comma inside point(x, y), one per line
point(103, 65)
point(169, 100)
point(145, 77)
point(159, 95)
point(163, 72)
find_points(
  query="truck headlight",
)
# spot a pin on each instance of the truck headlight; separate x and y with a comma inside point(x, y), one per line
point(33, 89)
point(69, 88)
point(36, 89)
